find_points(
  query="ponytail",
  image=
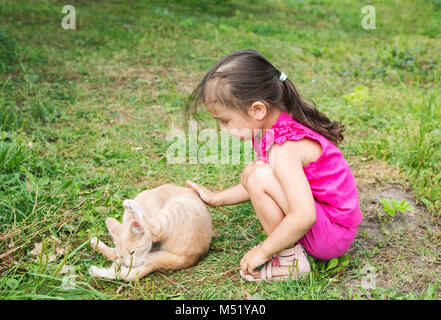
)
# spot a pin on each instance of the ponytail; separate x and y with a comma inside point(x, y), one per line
point(308, 115)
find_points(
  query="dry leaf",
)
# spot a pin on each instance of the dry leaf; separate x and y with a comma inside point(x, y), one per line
point(51, 258)
point(55, 239)
point(37, 250)
point(60, 250)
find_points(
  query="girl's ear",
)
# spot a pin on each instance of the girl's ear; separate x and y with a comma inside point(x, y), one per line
point(257, 110)
point(137, 229)
point(113, 226)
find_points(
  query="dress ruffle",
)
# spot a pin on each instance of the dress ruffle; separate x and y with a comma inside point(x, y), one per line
point(279, 133)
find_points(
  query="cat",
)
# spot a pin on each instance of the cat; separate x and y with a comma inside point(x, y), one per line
point(168, 227)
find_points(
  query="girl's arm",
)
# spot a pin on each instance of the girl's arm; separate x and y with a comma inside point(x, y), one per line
point(234, 195)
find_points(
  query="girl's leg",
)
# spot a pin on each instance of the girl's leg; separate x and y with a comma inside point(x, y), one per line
point(270, 203)
point(266, 194)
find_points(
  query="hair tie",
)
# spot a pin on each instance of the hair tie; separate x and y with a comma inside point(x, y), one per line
point(283, 77)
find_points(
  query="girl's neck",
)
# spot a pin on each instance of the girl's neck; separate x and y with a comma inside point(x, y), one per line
point(272, 119)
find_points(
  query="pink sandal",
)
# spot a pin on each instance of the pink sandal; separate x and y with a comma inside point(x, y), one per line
point(293, 258)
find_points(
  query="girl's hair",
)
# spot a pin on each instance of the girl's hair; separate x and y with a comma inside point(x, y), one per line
point(246, 76)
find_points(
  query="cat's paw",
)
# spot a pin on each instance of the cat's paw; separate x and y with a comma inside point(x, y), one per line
point(94, 243)
point(134, 207)
point(94, 271)
point(128, 274)
point(127, 204)
point(101, 272)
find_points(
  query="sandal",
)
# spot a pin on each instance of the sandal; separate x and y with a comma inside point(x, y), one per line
point(293, 258)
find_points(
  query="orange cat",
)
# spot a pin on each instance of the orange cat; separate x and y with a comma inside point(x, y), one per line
point(167, 227)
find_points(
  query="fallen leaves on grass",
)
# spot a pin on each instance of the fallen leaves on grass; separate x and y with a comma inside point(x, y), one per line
point(57, 250)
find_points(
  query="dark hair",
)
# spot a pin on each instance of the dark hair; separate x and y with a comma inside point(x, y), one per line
point(245, 76)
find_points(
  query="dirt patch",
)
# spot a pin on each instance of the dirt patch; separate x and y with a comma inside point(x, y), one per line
point(148, 74)
point(186, 82)
point(377, 180)
point(404, 249)
point(377, 224)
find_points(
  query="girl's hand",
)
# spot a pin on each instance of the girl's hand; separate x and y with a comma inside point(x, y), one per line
point(252, 259)
point(209, 197)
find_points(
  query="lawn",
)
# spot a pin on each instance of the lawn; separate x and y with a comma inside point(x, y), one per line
point(84, 117)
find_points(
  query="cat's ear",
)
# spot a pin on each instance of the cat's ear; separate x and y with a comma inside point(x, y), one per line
point(113, 226)
point(136, 228)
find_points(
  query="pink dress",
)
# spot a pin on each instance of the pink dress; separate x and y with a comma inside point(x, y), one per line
point(333, 187)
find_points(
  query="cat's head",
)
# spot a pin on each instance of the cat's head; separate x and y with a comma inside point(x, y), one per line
point(133, 241)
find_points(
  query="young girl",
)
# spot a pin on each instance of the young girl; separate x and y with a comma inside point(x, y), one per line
point(302, 189)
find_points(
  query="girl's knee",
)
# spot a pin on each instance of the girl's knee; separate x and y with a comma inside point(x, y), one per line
point(245, 174)
point(256, 175)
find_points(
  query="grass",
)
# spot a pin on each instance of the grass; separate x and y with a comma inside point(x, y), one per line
point(76, 104)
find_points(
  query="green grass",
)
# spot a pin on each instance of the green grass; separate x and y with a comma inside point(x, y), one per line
point(74, 105)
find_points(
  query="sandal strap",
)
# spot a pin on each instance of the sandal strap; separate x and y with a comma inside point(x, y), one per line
point(263, 271)
point(286, 252)
point(286, 258)
point(266, 273)
point(290, 251)
point(287, 261)
point(269, 271)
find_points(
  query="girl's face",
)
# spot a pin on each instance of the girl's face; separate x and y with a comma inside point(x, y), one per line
point(236, 123)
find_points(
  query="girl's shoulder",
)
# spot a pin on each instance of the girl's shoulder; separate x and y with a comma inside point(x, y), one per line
point(311, 150)
point(307, 149)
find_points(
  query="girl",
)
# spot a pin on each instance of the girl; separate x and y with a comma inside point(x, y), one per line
point(302, 189)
